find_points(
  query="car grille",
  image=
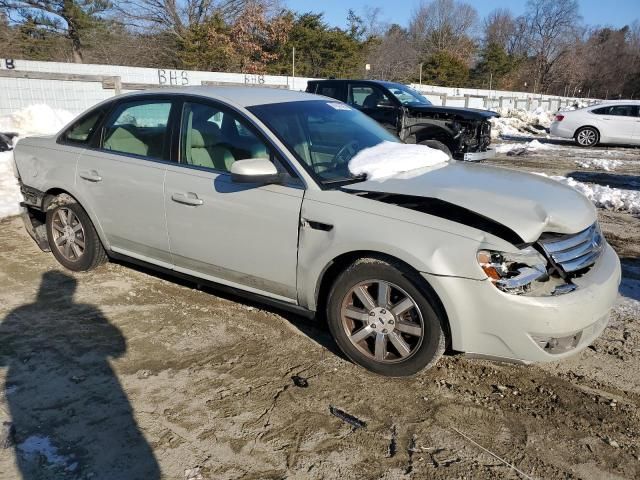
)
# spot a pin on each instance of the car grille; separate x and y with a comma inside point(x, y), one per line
point(575, 252)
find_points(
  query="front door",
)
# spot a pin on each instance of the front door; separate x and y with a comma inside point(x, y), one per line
point(242, 235)
point(619, 122)
point(122, 179)
point(375, 102)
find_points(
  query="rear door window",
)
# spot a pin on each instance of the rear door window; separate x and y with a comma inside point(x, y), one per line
point(332, 91)
point(618, 110)
point(139, 128)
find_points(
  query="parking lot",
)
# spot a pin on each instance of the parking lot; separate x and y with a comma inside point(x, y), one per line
point(173, 381)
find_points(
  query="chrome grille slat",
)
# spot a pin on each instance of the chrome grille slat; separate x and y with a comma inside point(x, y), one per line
point(580, 263)
point(571, 253)
point(575, 252)
point(568, 241)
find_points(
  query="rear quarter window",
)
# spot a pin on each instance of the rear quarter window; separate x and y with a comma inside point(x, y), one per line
point(81, 130)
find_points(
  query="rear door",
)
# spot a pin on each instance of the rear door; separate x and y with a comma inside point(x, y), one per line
point(121, 178)
point(332, 90)
point(242, 235)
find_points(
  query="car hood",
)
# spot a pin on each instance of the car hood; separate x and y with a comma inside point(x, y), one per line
point(460, 112)
point(524, 203)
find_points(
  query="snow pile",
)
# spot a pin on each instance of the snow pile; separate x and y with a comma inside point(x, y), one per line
point(605, 197)
point(10, 196)
point(600, 164)
point(37, 446)
point(575, 106)
point(518, 122)
point(35, 119)
point(522, 148)
point(390, 158)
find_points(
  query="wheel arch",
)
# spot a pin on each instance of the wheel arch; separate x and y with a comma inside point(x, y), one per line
point(336, 266)
point(53, 192)
point(435, 132)
point(575, 133)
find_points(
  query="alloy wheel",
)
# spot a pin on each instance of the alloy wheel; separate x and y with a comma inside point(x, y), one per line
point(382, 321)
point(586, 137)
point(68, 234)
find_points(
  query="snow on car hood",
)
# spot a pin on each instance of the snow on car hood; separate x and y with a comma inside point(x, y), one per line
point(374, 161)
point(525, 203)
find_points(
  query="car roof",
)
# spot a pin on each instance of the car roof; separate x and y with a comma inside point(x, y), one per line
point(236, 95)
point(604, 103)
point(384, 83)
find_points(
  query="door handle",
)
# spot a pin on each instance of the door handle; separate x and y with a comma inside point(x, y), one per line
point(187, 199)
point(91, 176)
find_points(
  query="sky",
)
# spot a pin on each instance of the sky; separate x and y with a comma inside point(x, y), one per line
point(616, 13)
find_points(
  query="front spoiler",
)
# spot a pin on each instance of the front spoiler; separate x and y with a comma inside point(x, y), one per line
point(478, 156)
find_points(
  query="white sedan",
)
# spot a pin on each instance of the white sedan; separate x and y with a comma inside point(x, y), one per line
point(611, 122)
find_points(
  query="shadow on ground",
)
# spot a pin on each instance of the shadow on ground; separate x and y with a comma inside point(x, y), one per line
point(614, 180)
point(630, 286)
point(314, 328)
point(69, 411)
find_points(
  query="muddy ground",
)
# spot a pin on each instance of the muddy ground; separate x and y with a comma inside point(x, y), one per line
point(122, 374)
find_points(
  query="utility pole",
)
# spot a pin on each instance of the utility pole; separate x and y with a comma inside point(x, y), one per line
point(293, 67)
point(420, 73)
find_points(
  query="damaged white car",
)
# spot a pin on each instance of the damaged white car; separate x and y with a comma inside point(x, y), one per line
point(308, 204)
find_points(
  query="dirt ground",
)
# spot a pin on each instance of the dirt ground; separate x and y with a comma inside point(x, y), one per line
point(122, 374)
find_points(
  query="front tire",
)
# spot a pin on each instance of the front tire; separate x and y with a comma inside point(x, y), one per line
point(438, 145)
point(587, 137)
point(384, 318)
point(72, 236)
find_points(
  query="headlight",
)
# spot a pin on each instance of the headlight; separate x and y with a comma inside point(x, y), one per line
point(514, 272)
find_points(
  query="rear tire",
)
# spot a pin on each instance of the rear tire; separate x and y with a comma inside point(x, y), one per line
point(72, 237)
point(587, 137)
point(395, 331)
point(438, 145)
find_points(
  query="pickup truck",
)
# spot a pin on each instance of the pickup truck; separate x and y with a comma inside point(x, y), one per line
point(462, 133)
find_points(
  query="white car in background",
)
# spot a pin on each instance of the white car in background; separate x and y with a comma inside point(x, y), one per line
point(610, 122)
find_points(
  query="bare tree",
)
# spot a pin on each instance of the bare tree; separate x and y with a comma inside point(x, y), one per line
point(445, 26)
point(392, 56)
point(553, 29)
point(177, 16)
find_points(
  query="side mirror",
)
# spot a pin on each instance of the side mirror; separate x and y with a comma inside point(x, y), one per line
point(385, 104)
point(255, 170)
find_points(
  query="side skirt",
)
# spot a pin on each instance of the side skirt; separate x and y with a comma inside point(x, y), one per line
point(216, 286)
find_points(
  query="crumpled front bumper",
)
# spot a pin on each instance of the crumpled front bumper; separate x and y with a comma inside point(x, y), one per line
point(489, 323)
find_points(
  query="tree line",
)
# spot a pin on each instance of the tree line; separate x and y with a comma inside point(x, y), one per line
point(548, 49)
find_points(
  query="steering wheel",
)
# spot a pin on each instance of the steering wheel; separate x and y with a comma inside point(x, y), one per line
point(349, 148)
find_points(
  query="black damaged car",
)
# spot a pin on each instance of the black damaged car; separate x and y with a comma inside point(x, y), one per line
point(462, 133)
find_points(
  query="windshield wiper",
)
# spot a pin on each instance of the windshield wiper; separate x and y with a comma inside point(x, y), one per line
point(345, 181)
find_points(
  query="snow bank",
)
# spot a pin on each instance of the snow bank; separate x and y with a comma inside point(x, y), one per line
point(390, 158)
point(10, 196)
point(35, 119)
point(600, 164)
point(521, 148)
point(518, 122)
point(605, 197)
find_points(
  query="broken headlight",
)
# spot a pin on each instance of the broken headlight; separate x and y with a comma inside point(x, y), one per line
point(514, 272)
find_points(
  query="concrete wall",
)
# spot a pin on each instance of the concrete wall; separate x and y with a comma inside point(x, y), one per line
point(79, 94)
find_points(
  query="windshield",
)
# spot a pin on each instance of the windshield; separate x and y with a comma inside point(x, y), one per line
point(408, 95)
point(324, 135)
